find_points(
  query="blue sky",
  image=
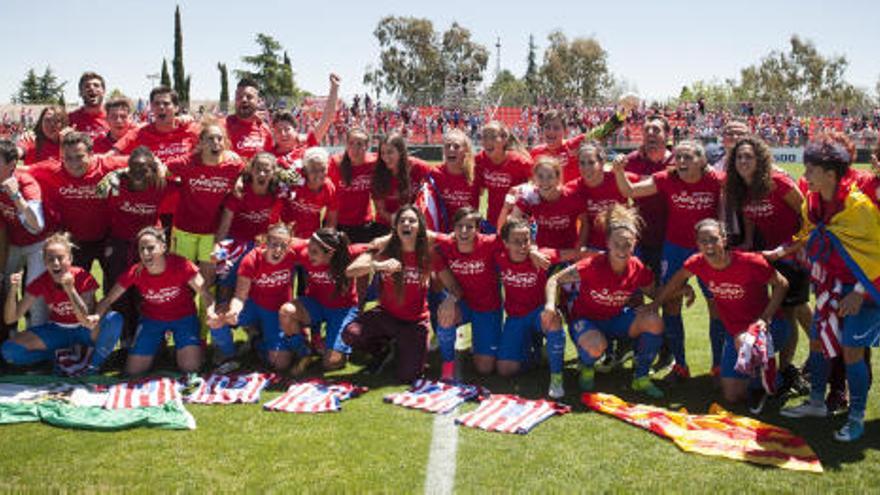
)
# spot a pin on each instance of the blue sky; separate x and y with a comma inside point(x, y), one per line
point(657, 46)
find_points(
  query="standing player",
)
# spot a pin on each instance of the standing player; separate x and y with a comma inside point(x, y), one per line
point(351, 174)
point(599, 313)
point(289, 143)
point(692, 192)
point(396, 178)
point(309, 205)
point(501, 164)
point(455, 182)
point(46, 141)
point(90, 118)
point(248, 134)
point(119, 122)
point(167, 136)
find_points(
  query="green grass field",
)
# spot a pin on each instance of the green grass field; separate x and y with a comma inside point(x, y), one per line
point(373, 447)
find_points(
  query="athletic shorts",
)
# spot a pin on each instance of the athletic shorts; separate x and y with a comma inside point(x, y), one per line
point(335, 318)
point(150, 334)
point(56, 336)
point(517, 336)
point(194, 247)
point(612, 328)
point(485, 329)
point(798, 282)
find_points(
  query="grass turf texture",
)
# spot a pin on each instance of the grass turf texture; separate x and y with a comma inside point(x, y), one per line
point(373, 447)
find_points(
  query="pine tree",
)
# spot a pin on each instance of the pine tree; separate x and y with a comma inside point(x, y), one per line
point(165, 79)
point(43, 89)
point(181, 81)
point(224, 87)
point(531, 76)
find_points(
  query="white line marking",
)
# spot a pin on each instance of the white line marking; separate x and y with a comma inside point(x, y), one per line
point(440, 475)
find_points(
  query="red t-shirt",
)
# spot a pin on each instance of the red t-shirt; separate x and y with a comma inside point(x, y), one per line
point(413, 303)
point(166, 296)
point(739, 291)
point(556, 220)
point(303, 206)
point(688, 204)
point(179, 142)
point(251, 214)
point(475, 272)
point(92, 123)
point(270, 284)
point(774, 219)
point(418, 171)
point(652, 208)
point(60, 307)
point(202, 192)
point(248, 137)
point(320, 284)
point(567, 155)
point(130, 211)
point(454, 191)
point(523, 283)
point(30, 191)
point(288, 159)
point(72, 202)
point(870, 185)
point(355, 207)
point(497, 179)
point(603, 293)
point(598, 200)
point(49, 151)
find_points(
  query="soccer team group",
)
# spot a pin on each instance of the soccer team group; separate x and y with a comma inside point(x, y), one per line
point(275, 236)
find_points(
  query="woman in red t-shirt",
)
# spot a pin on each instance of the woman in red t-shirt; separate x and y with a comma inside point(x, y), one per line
point(392, 184)
point(352, 174)
point(46, 141)
point(454, 181)
point(501, 164)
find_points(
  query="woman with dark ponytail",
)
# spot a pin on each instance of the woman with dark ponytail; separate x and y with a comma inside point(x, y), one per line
point(330, 296)
point(351, 174)
point(396, 178)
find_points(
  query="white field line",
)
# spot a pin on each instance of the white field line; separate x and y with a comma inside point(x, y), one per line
point(440, 473)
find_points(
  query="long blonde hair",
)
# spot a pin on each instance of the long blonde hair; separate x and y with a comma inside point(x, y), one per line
point(468, 163)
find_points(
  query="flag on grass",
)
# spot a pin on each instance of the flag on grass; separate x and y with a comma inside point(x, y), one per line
point(82, 406)
point(230, 389)
point(435, 397)
point(719, 433)
point(511, 414)
point(151, 392)
point(314, 396)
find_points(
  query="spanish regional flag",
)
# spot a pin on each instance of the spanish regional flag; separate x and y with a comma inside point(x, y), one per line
point(719, 433)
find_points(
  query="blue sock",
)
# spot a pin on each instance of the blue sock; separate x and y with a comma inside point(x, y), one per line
point(716, 339)
point(674, 333)
point(108, 337)
point(818, 376)
point(585, 357)
point(222, 339)
point(17, 354)
point(446, 341)
point(648, 347)
point(556, 350)
point(857, 379)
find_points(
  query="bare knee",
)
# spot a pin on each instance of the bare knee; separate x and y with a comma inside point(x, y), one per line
point(484, 364)
point(333, 360)
point(508, 368)
point(593, 343)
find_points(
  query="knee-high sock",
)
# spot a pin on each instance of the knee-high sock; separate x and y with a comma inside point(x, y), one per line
point(108, 337)
point(818, 376)
point(556, 350)
point(674, 333)
point(857, 378)
point(222, 339)
point(446, 341)
point(716, 338)
point(647, 347)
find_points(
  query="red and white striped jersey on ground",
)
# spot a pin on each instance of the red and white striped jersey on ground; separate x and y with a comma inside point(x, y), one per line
point(230, 389)
point(73, 361)
point(435, 397)
point(511, 414)
point(314, 396)
point(152, 392)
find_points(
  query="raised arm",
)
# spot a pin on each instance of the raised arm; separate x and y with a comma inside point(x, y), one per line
point(640, 189)
point(13, 309)
point(329, 109)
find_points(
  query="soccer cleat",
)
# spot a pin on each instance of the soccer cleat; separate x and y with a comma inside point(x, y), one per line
point(851, 431)
point(606, 363)
point(807, 409)
point(664, 360)
point(624, 353)
point(678, 374)
point(644, 385)
point(793, 382)
point(447, 373)
point(836, 402)
point(756, 400)
point(586, 378)
point(556, 390)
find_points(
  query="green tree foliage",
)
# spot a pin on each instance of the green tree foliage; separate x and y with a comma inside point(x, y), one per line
point(181, 80)
point(532, 77)
point(575, 69)
point(224, 87)
point(165, 78)
point(415, 62)
point(508, 91)
point(42, 89)
point(271, 71)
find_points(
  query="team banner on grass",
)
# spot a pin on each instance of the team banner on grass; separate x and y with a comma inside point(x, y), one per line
point(87, 406)
point(314, 396)
point(240, 388)
point(435, 397)
point(719, 433)
point(511, 414)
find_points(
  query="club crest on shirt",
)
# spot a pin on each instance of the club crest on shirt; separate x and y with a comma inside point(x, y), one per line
point(694, 201)
point(726, 290)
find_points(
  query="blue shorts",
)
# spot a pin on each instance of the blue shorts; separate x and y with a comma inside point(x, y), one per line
point(335, 318)
point(55, 336)
point(779, 332)
point(863, 329)
point(673, 260)
point(612, 328)
point(273, 337)
point(150, 334)
point(485, 329)
point(516, 338)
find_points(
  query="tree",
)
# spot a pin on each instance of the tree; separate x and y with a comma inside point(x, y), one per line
point(224, 87)
point(462, 60)
point(43, 89)
point(181, 80)
point(574, 69)
point(508, 91)
point(165, 78)
point(532, 77)
point(272, 74)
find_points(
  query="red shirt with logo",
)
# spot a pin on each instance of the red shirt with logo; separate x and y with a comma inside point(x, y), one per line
point(497, 179)
point(523, 282)
point(130, 211)
point(60, 308)
point(418, 172)
point(412, 306)
point(248, 137)
point(688, 204)
point(271, 284)
point(355, 207)
point(567, 154)
point(203, 188)
point(320, 284)
point(454, 190)
point(303, 206)
point(92, 123)
point(774, 219)
point(556, 220)
point(475, 272)
point(603, 293)
point(598, 200)
point(166, 296)
point(252, 214)
point(652, 208)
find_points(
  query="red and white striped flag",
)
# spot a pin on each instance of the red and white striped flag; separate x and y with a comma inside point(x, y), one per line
point(435, 397)
point(511, 414)
point(231, 389)
point(151, 392)
point(314, 396)
point(74, 360)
